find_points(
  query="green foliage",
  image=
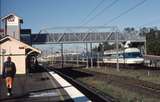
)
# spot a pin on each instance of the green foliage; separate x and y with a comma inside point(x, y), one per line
point(153, 42)
point(108, 46)
point(95, 49)
point(98, 49)
point(152, 38)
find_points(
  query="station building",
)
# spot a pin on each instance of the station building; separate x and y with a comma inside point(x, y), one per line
point(15, 46)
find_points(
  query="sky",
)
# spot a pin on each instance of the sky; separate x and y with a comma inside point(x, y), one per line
point(41, 14)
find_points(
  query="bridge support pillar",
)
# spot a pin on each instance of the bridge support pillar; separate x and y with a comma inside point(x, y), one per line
point(91, 55)
point(62, 57)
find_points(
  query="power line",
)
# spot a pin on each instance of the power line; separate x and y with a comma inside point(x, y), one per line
point(125, 12)
point(93, 10)
point(103, 10)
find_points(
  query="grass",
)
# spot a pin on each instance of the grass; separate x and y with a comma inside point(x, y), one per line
point(146, 75)
point(121, 94)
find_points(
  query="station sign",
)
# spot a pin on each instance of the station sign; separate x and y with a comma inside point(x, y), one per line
point(12, 20)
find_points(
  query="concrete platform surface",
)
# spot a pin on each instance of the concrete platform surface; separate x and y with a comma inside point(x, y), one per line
point(35, 87)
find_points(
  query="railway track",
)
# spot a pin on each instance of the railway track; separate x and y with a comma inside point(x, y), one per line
point(112, 65)
point(90, 92)
point(131, 84)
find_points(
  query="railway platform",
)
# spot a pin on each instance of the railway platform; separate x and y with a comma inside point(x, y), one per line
point(39, 87)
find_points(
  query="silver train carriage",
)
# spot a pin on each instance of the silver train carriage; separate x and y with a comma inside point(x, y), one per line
point(126, 56)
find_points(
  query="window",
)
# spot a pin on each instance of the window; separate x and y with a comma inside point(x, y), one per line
point(132, 55)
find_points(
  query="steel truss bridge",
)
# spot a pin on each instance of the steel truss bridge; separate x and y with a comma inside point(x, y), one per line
point(94, 34)
point(66, 35)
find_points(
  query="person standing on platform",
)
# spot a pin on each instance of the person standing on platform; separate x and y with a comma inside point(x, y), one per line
point(9, 71)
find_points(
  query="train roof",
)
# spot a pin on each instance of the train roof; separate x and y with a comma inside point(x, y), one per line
point(122, 51)
point(132, 50)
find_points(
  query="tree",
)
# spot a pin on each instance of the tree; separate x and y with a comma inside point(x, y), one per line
point(144, 31)
point(100, 47)
point(129, 29)
point(108, 46)
point(153, 41)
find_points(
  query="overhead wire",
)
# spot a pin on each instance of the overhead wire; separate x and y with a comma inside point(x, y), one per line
point(103, 10)
point(93, 10)
point(125, 12)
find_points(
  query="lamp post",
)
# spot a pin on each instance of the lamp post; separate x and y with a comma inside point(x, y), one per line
point(91, 54)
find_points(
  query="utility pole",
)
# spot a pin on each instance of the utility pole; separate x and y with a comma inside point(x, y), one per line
point(52, 54)
point(87, 55)
point(77, 56)
point(91, 55)
point(98, 57)
point(145, 46)
point(117, 48)
point(98, 60)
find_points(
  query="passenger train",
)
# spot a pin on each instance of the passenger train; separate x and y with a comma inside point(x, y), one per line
point(130, 56)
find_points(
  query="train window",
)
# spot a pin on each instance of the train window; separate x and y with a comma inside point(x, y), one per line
point(136, 54)
point(133, 55)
